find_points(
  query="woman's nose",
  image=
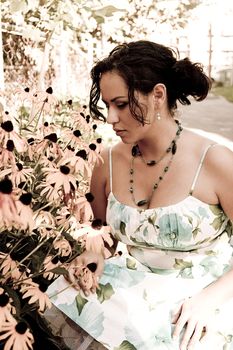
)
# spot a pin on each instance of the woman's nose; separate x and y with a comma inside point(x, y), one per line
point(112, 116)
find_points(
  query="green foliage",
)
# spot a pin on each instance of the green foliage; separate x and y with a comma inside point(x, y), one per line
point(225, 91)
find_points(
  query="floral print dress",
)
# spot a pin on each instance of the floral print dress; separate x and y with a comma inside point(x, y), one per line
point(173, 252)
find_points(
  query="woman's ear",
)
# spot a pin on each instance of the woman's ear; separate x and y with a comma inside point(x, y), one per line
point(159, 94)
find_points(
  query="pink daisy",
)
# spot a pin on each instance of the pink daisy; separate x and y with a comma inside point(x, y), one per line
point(25, 94)
point(50, 263)
point(18, 173)
point(6, 308)
point(74, 137)
point(63, 246)
point(36, 293)
point(8, 266)
point(79, 163)
point(25, 212)
point(8, 210)
point(49, 146)
point(93, 156)
point(7, 156)
point(81, 276)
point(61, 178)
point(17, 335)
point(82, 209)
point(96, 236)
point(7, 133)
point(80, 120)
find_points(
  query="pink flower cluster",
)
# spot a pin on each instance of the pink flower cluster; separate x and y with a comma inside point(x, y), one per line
point(47, 151)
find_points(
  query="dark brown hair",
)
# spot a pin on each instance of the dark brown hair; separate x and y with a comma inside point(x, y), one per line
point(143, 64)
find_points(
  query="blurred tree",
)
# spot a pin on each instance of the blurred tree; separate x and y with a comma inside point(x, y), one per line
point(47, 41)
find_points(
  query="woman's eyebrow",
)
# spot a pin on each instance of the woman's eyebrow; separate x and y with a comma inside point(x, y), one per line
point(114, 99)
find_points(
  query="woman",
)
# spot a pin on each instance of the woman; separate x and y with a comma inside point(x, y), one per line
point(167, 194)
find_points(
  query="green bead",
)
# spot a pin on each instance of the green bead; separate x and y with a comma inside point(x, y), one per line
point(142, 202)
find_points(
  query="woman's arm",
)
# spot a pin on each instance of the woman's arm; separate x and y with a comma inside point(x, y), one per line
point(197, 312)
point(100, 188)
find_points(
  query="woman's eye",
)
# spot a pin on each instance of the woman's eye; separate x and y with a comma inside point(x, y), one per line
point(122, 105)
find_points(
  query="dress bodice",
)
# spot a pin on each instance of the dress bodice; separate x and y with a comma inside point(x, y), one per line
point(163, 237)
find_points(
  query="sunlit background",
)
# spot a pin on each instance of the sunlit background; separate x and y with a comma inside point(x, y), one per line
point(54, 42)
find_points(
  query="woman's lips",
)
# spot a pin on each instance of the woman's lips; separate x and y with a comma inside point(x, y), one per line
point(119, 132)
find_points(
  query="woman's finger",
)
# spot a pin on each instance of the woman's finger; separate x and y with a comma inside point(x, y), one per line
point(180, 323)
point(176, 314)
point(197, 334)
point(189, 332)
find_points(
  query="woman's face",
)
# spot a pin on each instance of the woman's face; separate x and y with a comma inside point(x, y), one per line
point(114, 93)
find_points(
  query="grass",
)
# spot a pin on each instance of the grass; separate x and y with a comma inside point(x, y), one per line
point(225, 91)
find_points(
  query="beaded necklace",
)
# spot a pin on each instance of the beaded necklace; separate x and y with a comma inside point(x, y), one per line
point(171, 148)
point(136, 152)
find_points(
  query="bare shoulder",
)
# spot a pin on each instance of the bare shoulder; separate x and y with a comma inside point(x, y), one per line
point(220, 159)
point(121, 153)
point(219, 162)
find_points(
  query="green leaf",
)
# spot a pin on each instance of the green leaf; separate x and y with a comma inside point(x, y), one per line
point(122, 227)
point(152, 219)
point(104, 292)
point(125, 345)
point(131, 264)
point(216, 210)
point(217, 223)
point(195, 232)
point(106, 11)
point(59, 271)
point(181, 264)
point(80, 303)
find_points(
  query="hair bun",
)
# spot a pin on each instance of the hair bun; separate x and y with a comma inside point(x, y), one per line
point(190, 80)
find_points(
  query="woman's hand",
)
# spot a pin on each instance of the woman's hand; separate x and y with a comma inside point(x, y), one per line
point(196, 315)
point(85, 270)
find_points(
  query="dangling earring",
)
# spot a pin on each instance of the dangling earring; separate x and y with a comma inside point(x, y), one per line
point(158, 116)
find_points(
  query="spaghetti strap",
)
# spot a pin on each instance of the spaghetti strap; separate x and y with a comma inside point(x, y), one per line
point(110, 166)
point(199, 167)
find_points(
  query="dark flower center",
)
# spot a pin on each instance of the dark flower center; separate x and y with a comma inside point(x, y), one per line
point(4, 300)
point(10, 145)
point(21, 327)
point(92, 146)
point(82, 154)
point(89, 196)
point(49, 90)
point(31, 141)
point(43, 287)
point(70, 102)
point(22, 184)
point(77, 133)
point(94, 126)
point(6, 186)
point(55, 260)
point(19, 166)
point(64, 169)
point(26, 89)
point(99, 140)
point(26, 198)
point(7, 126)
point(51, 137)
point(46, 124)
point(97, 224)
